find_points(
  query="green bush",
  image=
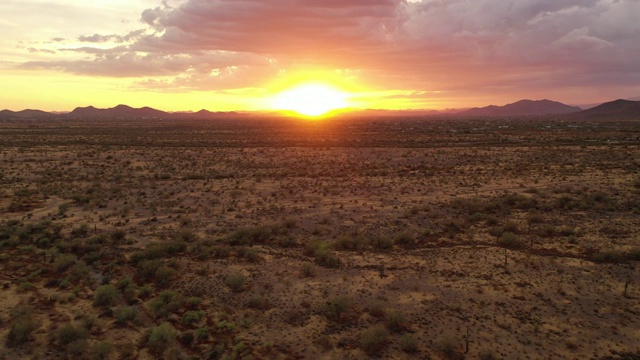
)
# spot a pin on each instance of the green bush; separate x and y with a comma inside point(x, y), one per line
point(308, 270)
point(159, 251)
point(324, 256)
point(610, 256)
point(202, 333)
point(193, 317)
point(166, 303)
point(335, 307)
point(106, 295)
point(145, 291)
point(404, 239)
point(394, 319)
point(634, 253)
point(23, 324)
point(235, 281)
point(382, 242)
point(249, 236)
point(448, 346)
point(68, 334)
point(353, 243)
point(409, 343)
point(509, 240)
point(101, 351)
point(163, 274)
point(374, 339)
point(126, 314)
point(161, 337)
point(63, 262)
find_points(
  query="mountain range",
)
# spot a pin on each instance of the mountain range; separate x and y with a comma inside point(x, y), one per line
point(618, 109)
point(523, 108)
point(614, 110)
point(118, 112)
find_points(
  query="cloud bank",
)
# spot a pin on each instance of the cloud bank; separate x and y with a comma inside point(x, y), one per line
point(453, 46)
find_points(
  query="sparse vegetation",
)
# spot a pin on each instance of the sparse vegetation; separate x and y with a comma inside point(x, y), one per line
point(285, 239)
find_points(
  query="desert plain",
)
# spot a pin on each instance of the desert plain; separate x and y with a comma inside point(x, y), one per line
point(346, 238)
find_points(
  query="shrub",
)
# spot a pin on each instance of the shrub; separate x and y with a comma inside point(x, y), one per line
point(382, 242)
point(511, 226)
point(166, 303)
point(101, 350)
point(258, 302)
point(250, 254)
point(325, 256)
point(161, 337)
point(408, 343)
point(23, 324)
point(118, 236)
point(404, 239)
point(354, 243)
point(194, 301)
point(77, 349)
point(159, 251)
point(249, 236)
point(448, 346)
point(374, 339)
point(308, 270)
point(124, 282)
point(126, 314)
point(163, 274)
point(534, 218)
point(509, 240)
point(610, 256)
point(287, 241)
point(193, 317)
point(106, 295)
point(202, 333)
point(634, 253)
point(290, 223)
point(334, 308)
point(235, 281)
point(145, 291)
point(566, 230)
point(67, 334)
point(491, 220)
point(394, 320)
point(63, 262)
point(547, 230)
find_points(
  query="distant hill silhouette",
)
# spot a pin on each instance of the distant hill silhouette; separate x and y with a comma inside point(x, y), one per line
point(28, 113)
point(614, 110)
point(120, 111)
point(523, 108)
point(204, 114)
point(618, 109)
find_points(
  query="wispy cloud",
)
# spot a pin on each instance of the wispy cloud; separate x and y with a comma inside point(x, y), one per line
point(489, 46)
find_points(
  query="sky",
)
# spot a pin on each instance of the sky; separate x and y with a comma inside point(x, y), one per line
point(238, 54)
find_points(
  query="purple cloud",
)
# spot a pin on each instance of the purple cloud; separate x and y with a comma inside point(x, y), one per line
point(492, 46)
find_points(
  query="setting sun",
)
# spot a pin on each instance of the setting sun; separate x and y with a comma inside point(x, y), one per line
point(310, 100)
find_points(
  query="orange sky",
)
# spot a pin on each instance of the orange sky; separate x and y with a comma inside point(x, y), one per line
point(238, 55)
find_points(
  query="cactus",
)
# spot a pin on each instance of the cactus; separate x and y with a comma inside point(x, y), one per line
point(626, 286)
point(467, 340)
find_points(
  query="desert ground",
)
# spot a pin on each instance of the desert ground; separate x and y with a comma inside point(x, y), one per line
point(278, 238)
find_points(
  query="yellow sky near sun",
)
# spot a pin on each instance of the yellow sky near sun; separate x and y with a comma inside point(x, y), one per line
point(55, 91)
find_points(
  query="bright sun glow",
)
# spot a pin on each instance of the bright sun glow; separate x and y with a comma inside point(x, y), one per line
point(310, 100)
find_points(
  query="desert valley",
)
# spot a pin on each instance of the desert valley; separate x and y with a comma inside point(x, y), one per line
point(269, 237)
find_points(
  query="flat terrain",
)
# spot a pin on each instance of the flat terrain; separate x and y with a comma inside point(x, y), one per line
point(344, 238)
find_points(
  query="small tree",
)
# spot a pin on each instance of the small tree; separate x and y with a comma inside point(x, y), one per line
point(161, 337)
point(235, 281)
point(106, 295)
point(23, 324)
point(374, 339)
